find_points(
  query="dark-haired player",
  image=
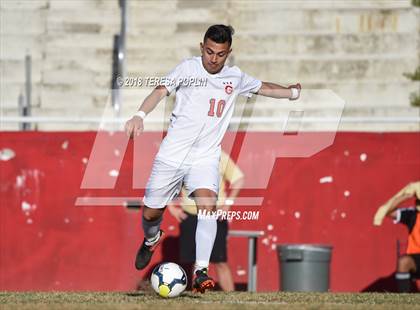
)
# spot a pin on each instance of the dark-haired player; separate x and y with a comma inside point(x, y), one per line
point(190, 152)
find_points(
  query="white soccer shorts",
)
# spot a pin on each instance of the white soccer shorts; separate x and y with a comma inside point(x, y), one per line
point(165, 181)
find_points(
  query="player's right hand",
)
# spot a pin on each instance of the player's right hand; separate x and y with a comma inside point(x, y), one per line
point(134, 126)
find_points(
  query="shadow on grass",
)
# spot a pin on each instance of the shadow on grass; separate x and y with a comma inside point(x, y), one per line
point(386, 284)
point(137, 294)
point(185, 296)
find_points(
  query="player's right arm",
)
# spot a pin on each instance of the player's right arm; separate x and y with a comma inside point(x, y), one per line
point(134, 126)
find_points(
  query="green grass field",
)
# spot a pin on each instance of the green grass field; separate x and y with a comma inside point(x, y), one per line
point(212, 300)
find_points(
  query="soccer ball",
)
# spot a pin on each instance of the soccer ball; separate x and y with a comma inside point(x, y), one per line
point(169, 280)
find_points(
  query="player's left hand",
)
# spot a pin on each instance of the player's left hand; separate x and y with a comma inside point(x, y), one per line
point(298, 87)
point(177, 213)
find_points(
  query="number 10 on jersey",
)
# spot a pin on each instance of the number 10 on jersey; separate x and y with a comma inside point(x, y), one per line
point(220, 107)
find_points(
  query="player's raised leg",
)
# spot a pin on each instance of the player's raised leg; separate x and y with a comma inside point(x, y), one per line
point(205, 235)
point(153, 235)
point(163, 185)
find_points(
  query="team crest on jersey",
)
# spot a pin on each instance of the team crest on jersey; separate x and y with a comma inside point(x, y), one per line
point(228, 87)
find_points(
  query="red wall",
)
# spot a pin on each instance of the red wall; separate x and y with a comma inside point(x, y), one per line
point(55, 245)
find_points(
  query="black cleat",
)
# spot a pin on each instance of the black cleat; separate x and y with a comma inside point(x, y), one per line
point(144, 254)
point(202, 281)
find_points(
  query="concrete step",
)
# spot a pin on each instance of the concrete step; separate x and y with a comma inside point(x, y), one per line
point(297, 4)
point(150, 55)
point(9, 94)
point(204, 4)
point(314, 45)
point(31, 22)
point(289, 43)
point(75, 101)
point(145, 68)
point(370, 95)
point(156, 5)
point(86, 17)
point(24, 4)
point(268, 19)
point(326, 70)
point(382, 111)
point(76, 77)
point(16, 47)
point(141, 15)
point(13, 71)
point(83, 5)
point(84, 40)
point(162, 41)
point(305, 5)
point(98, 60)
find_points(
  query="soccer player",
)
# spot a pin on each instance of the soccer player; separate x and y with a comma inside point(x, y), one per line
point(190, 152)
point(408, 264)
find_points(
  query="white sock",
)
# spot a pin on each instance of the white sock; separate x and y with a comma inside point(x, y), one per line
point(204, 241)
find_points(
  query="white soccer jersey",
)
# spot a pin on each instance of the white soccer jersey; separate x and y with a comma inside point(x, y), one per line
point(202, 112)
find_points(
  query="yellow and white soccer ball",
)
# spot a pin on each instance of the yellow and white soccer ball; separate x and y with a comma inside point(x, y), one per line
point(169, 280)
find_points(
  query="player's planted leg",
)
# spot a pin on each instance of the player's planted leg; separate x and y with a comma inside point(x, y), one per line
point(204, 238)
point(153, 236)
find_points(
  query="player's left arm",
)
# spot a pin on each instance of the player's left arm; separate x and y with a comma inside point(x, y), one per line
point(273, 90)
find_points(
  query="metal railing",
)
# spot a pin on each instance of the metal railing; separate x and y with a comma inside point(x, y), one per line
point(118, 63)
point(24, 101)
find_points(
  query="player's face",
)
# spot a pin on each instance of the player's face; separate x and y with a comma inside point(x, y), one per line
point(214, 55)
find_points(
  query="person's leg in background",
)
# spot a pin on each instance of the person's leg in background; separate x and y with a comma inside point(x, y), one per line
point(187, 245)
point(219, 257)
point(224, 275)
